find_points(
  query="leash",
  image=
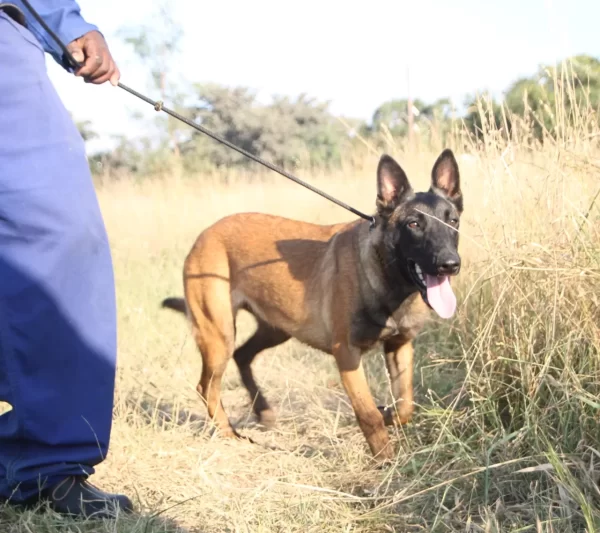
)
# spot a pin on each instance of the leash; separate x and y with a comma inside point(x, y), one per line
point(158, 106)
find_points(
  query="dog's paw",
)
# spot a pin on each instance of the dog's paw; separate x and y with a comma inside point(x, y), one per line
point(388, 414)
point(267, 418)
point(384, 464)
point(391, 417)
point(231, 433)
point(245, 438)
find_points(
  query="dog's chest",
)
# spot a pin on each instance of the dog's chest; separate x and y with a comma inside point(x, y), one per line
point(410, 316)
point(375, 324)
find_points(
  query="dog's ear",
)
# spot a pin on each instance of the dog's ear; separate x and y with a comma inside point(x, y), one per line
point(392, 185)
point(445, 178)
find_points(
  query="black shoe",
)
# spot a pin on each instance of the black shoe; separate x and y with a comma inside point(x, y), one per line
point(76, 496)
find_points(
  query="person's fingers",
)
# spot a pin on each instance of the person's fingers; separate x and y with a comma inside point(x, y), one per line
point(101, 71)
point(94, 58)
point(116, 76)
point(99, 77)
point(76, 51)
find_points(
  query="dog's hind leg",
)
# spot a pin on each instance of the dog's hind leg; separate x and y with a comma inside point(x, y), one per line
point(209, 302)
point(264, 338)
point(215, 355)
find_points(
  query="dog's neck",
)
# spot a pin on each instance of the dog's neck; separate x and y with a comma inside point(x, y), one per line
point(389, 286)
point(386, 298)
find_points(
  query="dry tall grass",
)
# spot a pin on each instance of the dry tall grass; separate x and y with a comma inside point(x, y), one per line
point(507, 431)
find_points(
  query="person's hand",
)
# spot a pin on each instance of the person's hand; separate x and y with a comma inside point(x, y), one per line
point(98, 65)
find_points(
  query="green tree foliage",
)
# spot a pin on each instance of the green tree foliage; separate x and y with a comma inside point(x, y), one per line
point(393, 116)
point(86, 130)
point(302, 132)
point(484, 113)
point(432, 121)
point(288, 132)
point(157, 48)
point(547, 101)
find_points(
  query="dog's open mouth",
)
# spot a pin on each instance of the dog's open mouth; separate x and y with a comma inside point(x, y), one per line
point(435, 290)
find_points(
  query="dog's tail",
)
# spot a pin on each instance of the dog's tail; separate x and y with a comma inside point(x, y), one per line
point(176, 304)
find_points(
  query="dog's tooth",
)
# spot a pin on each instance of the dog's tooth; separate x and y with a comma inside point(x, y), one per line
point(418, 269)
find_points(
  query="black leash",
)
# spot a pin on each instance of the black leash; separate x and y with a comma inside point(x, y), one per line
point(158, 106)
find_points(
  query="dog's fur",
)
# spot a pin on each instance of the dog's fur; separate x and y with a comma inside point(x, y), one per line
point(340, 289)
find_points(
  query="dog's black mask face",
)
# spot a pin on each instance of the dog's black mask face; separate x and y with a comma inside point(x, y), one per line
point(420, 230)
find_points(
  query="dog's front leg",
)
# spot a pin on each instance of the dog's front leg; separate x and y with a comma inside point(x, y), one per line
point(369, 418)
point(399, 362)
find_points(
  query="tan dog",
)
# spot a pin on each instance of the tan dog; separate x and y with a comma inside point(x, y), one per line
point(340, 289)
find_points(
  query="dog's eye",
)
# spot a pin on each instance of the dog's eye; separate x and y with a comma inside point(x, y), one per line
point(413, 224)
point(454, 221)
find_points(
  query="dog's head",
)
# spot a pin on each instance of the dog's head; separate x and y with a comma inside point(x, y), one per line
point(419, 231)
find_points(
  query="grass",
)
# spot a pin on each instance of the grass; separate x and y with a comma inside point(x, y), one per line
point(507, 431)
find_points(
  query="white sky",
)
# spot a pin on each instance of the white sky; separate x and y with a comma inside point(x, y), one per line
point(356, 57)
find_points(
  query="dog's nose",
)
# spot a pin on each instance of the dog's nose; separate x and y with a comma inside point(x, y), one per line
point(449, 267)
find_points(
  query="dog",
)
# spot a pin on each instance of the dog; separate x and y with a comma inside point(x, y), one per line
point(341, 289)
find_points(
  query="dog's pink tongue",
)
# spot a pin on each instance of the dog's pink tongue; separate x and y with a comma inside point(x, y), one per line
point(440, 295)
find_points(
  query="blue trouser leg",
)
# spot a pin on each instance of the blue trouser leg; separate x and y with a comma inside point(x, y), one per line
point(57, 301)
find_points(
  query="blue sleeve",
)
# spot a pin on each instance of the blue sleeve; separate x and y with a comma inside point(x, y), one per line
point(64, 18)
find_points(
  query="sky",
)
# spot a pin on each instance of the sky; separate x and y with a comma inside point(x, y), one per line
point(354, 55)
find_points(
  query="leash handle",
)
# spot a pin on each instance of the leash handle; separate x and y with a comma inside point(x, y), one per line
point(158, 106)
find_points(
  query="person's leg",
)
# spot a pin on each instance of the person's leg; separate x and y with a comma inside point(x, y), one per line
point(57, 301)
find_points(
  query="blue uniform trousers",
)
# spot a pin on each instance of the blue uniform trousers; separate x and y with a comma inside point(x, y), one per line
point(57, 301)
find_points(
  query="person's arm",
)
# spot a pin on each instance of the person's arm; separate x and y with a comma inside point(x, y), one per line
point(83, 39)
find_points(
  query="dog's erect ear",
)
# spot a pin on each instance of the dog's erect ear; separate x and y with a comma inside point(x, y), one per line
point(445, 178)
point(392, 185)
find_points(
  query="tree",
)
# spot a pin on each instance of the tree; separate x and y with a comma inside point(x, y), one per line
point(301, 132)
point(85, 129)
point(484, 115)
point(288, 132)
point(393, 116)
point(556, 97)
point(157, 47)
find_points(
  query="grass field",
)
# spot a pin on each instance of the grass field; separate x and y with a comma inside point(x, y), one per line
point(506, 435)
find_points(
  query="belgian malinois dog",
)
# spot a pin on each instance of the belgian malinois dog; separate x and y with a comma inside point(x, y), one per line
point(340, 289)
